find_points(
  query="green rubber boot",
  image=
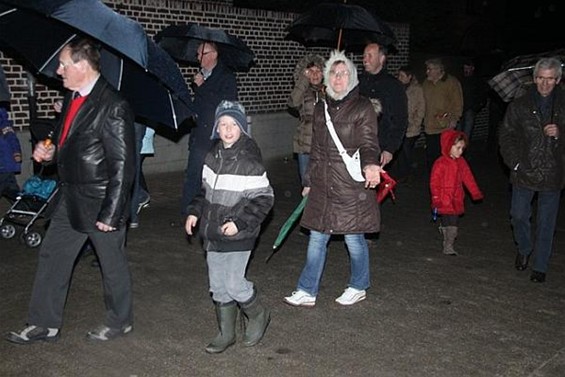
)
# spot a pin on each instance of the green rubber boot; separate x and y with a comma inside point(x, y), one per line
point(258, 318)
point(226, 314)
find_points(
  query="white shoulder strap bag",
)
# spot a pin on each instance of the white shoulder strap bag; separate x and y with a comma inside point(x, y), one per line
point(352, 163)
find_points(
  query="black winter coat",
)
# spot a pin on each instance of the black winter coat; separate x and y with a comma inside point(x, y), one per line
point(336, 203)
point(536, 161)
point(96, 164)
point(235, 188)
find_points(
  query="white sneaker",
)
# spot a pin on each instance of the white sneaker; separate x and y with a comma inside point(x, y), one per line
point(300, 298)
point(351, 296)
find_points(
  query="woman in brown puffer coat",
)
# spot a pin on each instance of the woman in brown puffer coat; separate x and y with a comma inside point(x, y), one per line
point(337, 204)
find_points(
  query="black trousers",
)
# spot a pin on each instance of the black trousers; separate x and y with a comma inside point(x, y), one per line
point(57, 256)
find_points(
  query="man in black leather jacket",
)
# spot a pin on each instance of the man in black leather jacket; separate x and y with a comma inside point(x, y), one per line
point(94, 151)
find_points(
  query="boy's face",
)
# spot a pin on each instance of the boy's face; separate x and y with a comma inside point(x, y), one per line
point(228, 130)
point(457, 149)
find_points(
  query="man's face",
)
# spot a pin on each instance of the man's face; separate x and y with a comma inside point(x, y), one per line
point(373, 58)
point(546, 80)
point(433, 72)
point(207, 56)
point(73, 74)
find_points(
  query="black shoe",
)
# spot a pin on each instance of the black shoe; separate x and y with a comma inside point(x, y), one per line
point(537, 277)
point(33, 334)
point(521, 262)
point(104, 333)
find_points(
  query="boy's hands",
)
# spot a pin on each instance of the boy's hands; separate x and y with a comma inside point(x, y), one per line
point(229, 229)
point(190, 223)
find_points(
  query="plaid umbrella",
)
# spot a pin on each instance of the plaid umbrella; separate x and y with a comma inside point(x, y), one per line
point(517, 74)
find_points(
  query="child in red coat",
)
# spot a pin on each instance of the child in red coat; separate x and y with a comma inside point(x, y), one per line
point(450, 175)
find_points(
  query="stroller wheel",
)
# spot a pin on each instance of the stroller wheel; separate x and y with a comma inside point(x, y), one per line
point(33, 239)
point(7, 231)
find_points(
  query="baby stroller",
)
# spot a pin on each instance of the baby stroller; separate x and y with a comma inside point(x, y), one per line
point(29, 207)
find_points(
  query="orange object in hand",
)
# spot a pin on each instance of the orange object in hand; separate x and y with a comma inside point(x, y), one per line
point(47, 143)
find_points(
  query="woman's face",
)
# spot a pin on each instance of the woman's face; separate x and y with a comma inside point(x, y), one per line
point(339, 78)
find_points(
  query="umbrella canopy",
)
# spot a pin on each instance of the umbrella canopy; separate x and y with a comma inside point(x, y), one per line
point(517, 74)
point(35, 31)
point(338, 25)
point(182, 41)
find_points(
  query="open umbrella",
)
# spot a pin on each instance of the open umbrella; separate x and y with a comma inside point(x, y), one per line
point(339, 24)
point(182, 41)
point(517, 74)
point(35, 31)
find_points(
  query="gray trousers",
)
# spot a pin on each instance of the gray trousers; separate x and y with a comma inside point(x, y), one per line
point(226, 274)
point(57, 257)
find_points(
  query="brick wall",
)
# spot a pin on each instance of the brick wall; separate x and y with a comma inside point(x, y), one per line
point(264, 89)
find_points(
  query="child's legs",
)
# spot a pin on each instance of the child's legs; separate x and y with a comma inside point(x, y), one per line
point(449, 220)
point(226, 274)
point(9, 186)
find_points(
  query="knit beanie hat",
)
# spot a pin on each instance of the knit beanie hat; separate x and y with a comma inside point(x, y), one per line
point(235, 110)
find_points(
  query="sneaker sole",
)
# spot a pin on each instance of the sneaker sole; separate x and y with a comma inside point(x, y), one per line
point(351, 302)
point(16, 339)
point(305, 304)
point(95, 337)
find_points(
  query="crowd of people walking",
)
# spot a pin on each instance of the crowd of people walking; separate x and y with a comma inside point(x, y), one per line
point(351, 128)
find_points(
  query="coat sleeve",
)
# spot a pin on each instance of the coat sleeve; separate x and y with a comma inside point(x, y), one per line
point(469, 181)
point(297, 95)
point(435, 183)
point(509, 138)
point(394, 119)
point(119, 146)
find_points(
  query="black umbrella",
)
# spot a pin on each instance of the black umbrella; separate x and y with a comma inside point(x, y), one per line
point(182, 41)
point(35, 31)
point(335, 25)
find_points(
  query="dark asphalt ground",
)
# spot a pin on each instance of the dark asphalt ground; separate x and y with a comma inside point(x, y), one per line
point(426, 314)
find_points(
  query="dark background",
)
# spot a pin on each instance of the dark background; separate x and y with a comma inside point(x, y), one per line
point(459, 27)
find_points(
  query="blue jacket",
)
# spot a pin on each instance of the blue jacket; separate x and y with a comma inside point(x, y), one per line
point(9, 146)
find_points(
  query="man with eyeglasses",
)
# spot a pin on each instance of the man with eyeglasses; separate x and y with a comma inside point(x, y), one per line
point(93, 148)
point(212, 84)
point(531, 145)
point(377, 83)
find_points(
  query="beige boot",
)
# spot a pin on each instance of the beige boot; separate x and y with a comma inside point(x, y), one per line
point(449, 236)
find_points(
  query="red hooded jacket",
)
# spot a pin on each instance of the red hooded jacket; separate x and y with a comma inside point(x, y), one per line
point(449, 177)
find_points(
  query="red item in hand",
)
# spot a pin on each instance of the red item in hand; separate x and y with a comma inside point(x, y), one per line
point(385, 187)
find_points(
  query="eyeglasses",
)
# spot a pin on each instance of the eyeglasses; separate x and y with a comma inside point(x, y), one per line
point(546, 79)
point(339, 74)
point(200, 53)
point(64, 65)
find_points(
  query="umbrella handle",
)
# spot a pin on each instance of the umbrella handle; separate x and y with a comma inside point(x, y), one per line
point(340, 32)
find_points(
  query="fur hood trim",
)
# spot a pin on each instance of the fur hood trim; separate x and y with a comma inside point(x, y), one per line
point(339, 56)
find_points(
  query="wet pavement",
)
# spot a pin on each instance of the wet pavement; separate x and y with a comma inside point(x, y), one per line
point(426, 314)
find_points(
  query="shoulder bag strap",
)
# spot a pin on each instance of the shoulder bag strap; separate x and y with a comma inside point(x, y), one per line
point(331, 128)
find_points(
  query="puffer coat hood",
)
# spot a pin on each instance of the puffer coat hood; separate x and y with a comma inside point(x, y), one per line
point(335, 57)
point(448, 139)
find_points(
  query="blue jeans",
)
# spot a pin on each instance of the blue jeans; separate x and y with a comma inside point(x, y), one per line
point(521, 212)
point(311, 275)
point(303, 159)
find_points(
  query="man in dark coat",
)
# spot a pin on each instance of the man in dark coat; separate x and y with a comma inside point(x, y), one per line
point(94, 151)
point(531, 145)
point(215, 82)
point(377, 83)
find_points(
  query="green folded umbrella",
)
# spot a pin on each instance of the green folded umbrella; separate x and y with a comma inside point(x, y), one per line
point(287, 226)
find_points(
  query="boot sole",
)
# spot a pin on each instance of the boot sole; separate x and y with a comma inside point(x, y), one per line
point(219, 350)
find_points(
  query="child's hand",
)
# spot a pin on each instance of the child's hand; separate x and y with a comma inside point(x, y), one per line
point(190, 223)
point(229, 229)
